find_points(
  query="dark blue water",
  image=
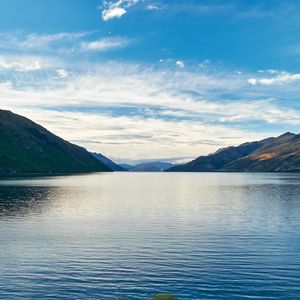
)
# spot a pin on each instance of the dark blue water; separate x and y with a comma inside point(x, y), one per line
point(199, 236)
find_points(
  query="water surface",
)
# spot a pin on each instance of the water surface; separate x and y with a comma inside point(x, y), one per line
point(199, 236)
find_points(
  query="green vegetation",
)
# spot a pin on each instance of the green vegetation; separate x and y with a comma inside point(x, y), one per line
point(26, 147)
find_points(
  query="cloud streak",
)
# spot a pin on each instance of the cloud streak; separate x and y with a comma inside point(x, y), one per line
point(281, 78)
point(105, 44)
point(33, 41)
point(27, 64)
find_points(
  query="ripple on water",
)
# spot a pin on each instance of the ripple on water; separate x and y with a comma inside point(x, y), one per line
point(199, 236)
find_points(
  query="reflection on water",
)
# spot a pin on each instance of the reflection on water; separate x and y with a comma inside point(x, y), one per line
point(199, 236)
point(21, 200)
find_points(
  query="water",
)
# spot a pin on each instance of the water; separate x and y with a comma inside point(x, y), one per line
point(199, 236)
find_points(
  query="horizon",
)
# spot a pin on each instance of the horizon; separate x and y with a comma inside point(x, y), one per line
point(152, 80)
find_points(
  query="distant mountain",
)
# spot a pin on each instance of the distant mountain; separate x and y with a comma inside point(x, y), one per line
point(127, 166)
point(156, 166)
point(26, 147)
point(269, 155)
point(109, 163)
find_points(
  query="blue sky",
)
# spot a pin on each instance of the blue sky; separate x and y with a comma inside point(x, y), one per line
point(162, 80)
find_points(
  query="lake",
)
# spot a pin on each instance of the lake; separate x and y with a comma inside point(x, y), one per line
point(197, 235)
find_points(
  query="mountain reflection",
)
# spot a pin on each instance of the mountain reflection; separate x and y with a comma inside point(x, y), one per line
point(25, 200)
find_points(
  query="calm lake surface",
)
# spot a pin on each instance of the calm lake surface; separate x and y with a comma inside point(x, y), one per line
point(199, 236)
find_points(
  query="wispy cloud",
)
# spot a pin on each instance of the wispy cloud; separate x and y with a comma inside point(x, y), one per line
point(51, 44)
point(200, 8)
point(116, 9)
point(35, 41)
point(62, 73)
point(20, 65)
point(25, 63)
point(180, 64)
point(234, 10)
point(153, 7)
point(282, 78)
point(105, 44)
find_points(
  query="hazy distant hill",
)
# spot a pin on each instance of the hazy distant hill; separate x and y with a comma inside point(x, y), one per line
point(269, 155)
point(26, 147)
point(156, 166)
point(127, 166)
point(109, 163)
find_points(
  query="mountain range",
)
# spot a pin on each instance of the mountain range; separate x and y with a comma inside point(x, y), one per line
point(26, 147)
point(109, 163)
point(155, 166)
point(280, 154)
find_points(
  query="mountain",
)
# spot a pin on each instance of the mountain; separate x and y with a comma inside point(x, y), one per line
point(127, 166)
point(26, 147)
point(156, 166)
point(218, 160)
point(109, 163)
point(280, 154)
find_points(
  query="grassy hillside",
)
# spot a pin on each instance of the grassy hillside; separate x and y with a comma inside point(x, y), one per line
point(26, 147)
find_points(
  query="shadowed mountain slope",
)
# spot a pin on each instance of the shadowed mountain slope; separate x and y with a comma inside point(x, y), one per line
point(218, 160)
point(282, 154)
point(109, 163)
point(26, 147)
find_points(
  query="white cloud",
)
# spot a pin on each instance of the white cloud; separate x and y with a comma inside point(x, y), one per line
point(61, 73)
point(252, 81)
point(19, 41)
point(116, 9)
point(111, 13)
point(269, 71)
point(171, 93)
point(153, 7)
point(205, 63)
point(105, 44)
point(23, 64)
point(180, 64)
point(282, 78)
